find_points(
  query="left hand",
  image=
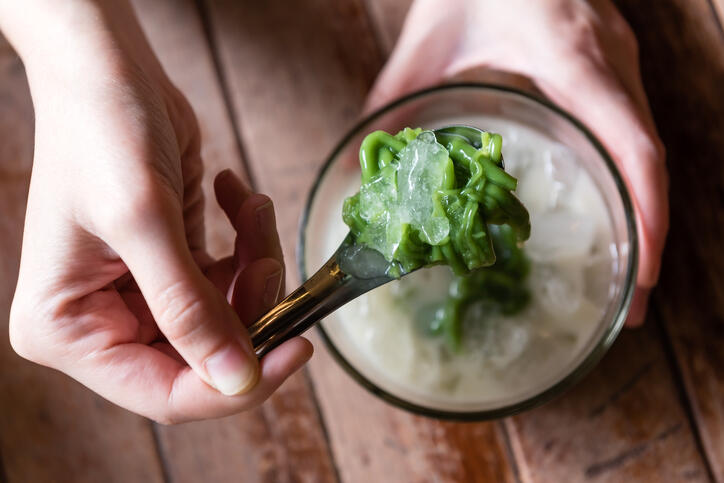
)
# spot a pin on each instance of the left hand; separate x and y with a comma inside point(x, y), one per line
point(115, 286)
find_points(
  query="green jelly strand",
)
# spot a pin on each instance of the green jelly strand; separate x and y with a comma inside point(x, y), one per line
point(492, 146)
point(519, 218)
point(497, 175)
point(372, 149)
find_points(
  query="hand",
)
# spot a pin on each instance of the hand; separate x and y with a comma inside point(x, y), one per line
point(115, 287)
point(582, 55)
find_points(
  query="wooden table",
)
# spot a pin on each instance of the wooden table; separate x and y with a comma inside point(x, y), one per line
point(653, 410)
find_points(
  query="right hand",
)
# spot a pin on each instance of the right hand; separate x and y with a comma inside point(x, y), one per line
point(115, 287)
point(581, 54)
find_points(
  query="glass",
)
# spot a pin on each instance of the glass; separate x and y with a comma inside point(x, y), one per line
point(428, 108)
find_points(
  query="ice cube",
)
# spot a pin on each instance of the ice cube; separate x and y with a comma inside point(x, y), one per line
point(534, 189)
point(560, 236)
point(512, 340)
point(586, 198)
point(427, 137)
point(421, 173)
point(517, 157)
point(557, 289)
point(377, 236)
point(498, 339)
point(545, 178)
point(598, 276)
point(388, 346)
point(562, 167)
point(393, 233)
point(376, 196)
point(435, 229)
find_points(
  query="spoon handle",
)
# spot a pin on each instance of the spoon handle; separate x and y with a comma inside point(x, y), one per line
point(324, 292)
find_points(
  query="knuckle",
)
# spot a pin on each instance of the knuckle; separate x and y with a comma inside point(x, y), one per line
point(577, 33)
point(121, 211)
point(582, 28)
point(131, 209)
point(577, 25)
point(183, 315)
point(139, 203)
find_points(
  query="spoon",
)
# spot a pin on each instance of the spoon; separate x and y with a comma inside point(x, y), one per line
point(350, 272)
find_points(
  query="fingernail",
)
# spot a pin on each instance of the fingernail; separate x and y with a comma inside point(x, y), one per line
point(231, 371)
point(265, 219)
point(272, 286)
point(224, 173)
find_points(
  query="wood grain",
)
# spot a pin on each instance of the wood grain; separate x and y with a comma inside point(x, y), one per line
point(623, 422)
point(292, 83)
point(294, 75)
point(51, 428)
point(282, 440)
point(686, 48)
point(376, 442)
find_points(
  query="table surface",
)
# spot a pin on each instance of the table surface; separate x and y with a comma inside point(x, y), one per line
point(652, 410)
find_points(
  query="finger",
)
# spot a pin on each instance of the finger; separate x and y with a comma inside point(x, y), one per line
point(155, 382)
point(189, 310)
point(256, 231)
point(257, 289)
point(637, 151)
point(192, 400)
point(639, 306)
point(435, 42)
point(230, 193)
point(621, 49)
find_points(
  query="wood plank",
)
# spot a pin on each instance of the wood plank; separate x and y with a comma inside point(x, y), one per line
point(297, 75)
point(51, 428)
point(624, 422)
point(282, 440)
point(292, 77)
point(681, 42)
point(376, 442)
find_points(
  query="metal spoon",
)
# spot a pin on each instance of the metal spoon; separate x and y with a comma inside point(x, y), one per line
point(333, 285)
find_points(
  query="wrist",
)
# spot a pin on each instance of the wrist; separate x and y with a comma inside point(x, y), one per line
point(71, 40)
point(48, 25)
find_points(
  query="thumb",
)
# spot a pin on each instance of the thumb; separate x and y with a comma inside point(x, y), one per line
point(193, 315)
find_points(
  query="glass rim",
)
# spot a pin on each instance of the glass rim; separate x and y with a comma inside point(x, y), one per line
point(607, 337)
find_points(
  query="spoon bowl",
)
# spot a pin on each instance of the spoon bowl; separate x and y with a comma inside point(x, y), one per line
point(350, 272)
